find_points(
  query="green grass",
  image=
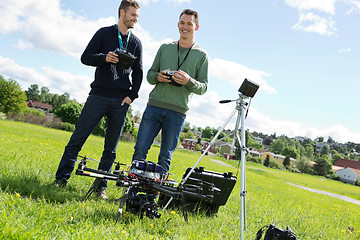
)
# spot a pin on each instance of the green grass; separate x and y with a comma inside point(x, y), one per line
point(30, 208)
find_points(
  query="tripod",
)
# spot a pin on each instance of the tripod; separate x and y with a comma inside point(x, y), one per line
point(240, 108)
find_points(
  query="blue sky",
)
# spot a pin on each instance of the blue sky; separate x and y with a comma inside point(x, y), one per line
point(304, 54)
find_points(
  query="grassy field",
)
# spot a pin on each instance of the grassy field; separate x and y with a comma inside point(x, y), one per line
point(30, 208)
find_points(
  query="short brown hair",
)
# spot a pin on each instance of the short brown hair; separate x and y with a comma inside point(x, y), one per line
point(125, 4)
point(191, 12)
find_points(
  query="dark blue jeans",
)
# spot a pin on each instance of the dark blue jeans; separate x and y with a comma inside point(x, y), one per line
point(153, 120)
point(94, 109)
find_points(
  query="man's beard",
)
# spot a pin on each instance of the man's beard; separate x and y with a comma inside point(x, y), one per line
point(127, 23)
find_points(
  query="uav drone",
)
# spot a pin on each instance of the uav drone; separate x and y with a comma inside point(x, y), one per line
point(202, 191)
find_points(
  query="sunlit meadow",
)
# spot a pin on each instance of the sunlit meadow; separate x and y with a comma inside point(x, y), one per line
point(31, 208)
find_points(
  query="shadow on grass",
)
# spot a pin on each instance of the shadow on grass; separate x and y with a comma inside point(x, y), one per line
point(30, 185)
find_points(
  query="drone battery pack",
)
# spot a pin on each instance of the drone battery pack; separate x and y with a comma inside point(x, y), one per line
point(146, 166)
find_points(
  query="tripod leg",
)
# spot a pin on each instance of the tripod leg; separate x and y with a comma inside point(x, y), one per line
point(207, 149)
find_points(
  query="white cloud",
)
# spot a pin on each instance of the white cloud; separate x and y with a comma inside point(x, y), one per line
point(150, 45)
point(25, 74)
point(235, 73)
point(44, 25)
point(327, 6)
point(323, 25)
point(345, 50)
point(310, 22)
point(146, 2)
point(261, 123)
point(355, 6)
point(57, 81)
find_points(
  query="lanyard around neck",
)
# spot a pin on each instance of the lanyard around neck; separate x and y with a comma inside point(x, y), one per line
point(178, 48)
point(120, 40)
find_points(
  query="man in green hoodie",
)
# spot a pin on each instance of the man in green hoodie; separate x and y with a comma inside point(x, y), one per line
point(179, 69)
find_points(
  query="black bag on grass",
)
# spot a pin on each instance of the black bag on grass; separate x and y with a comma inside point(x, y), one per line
point(274, 233)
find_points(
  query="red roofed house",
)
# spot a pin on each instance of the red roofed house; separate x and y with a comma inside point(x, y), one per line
point(45, 108)
point(348, 170)
point(347, 163)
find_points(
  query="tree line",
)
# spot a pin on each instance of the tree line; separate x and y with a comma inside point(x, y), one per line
point(13, 105)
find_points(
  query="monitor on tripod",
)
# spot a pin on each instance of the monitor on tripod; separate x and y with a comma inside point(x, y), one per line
point(248, 88)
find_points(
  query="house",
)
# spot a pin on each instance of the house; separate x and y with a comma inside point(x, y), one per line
point(349, 175)
point(189, 143)
point(279, 158)
point(258, 140)
point(205, 146)
point(346, 163)
point(45, 108)
point(224, 148)
point(253, 152)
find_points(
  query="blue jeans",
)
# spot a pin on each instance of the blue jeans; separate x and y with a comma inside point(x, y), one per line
point(153, 120)
point(94, 109)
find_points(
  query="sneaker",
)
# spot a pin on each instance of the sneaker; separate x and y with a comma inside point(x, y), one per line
point(59, 183)
point(101, 194)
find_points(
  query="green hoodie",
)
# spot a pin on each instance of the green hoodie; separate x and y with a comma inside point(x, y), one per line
point(165, 95)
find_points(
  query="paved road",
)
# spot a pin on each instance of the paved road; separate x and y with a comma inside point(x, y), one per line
point(342, 197)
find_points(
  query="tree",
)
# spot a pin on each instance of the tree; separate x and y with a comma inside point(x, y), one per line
point(322, 166)
point(330, 140)
point(44, 95)
point(309, 151)
point(137, 116)
point(207, 132)
point(278, 145)
point(33, 92)
point(325, 150)
point(286, 161)
point(253, 144)
point(69, 112)
point(267, 161)
point(186, 127)
point(12, 98)
point(129, 125)
point(268, 141)
point(304, 165)
point(336, 157)
point(290, 151)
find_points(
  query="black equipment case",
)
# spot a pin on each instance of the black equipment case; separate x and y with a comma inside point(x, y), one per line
point(217, 186)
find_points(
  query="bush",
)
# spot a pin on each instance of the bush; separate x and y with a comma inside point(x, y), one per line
point(53, 122)
point(68, 127)
point(250, 158)
point(100, 128)
point(129, 124)
point(333, 176)
point(30, 116)
point(274, 164)
point(2, 116)
point(127, 137)
point(34, 111)
point(135, 133)
point(69, 112)
point(12, 98)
